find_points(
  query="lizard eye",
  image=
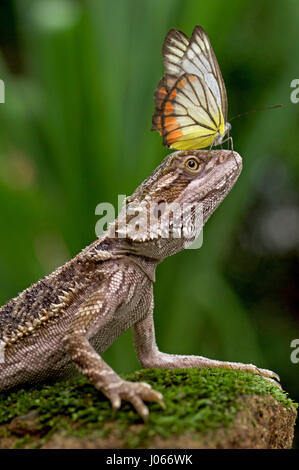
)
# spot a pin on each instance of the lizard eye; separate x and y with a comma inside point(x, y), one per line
point(192, 164)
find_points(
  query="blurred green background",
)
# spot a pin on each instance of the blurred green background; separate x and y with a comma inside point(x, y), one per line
point(75, 131)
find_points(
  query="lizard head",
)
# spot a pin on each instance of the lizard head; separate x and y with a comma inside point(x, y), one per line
point(168, 210)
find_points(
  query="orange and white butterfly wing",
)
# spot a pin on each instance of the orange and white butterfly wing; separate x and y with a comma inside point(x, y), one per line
point(173, 50)
point(198, 104)
point(199, 59)
point(190, 116)
point(160, 94)
point(195, 56)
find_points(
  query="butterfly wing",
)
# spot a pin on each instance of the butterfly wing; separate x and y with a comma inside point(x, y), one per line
point(199, 59)
point(189, 116)
point(195, 57)
point(174, 47)
point(173, 50)
point(160, 94)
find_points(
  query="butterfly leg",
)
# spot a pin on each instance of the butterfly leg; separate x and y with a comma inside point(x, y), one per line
point(211, 146)
point(228, 139)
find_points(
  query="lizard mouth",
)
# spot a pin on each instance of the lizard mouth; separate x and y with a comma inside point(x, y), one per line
point(225, 166)
point(225, 171)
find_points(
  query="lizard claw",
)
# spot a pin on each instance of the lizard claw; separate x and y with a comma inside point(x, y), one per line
point(135, 393)
point(273, 381)
point(268, 374)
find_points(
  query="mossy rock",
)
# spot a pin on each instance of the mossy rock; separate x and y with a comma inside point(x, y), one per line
point(206, 408)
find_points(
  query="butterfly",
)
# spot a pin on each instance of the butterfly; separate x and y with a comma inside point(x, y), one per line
point(190, 100)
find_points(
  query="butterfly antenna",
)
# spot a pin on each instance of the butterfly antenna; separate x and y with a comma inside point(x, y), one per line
point(255, 111)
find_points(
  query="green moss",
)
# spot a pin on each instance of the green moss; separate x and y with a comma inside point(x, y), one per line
point(196, 401)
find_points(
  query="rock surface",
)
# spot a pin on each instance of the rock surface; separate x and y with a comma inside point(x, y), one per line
point(204, 409)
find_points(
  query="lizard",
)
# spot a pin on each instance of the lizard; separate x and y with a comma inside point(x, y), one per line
point(64, 322)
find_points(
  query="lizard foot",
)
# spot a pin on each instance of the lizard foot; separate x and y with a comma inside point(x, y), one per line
point(135, 393)
point(254, 369)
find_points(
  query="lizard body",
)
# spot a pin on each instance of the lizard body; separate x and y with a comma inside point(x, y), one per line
point(64, 322)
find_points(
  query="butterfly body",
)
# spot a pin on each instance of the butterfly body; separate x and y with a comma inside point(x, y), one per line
point(190, 100)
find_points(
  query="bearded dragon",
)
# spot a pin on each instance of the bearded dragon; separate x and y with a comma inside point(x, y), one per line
point(64, 322)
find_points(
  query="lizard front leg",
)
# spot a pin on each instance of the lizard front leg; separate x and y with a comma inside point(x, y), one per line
point(150, 356)
point(90, 318)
